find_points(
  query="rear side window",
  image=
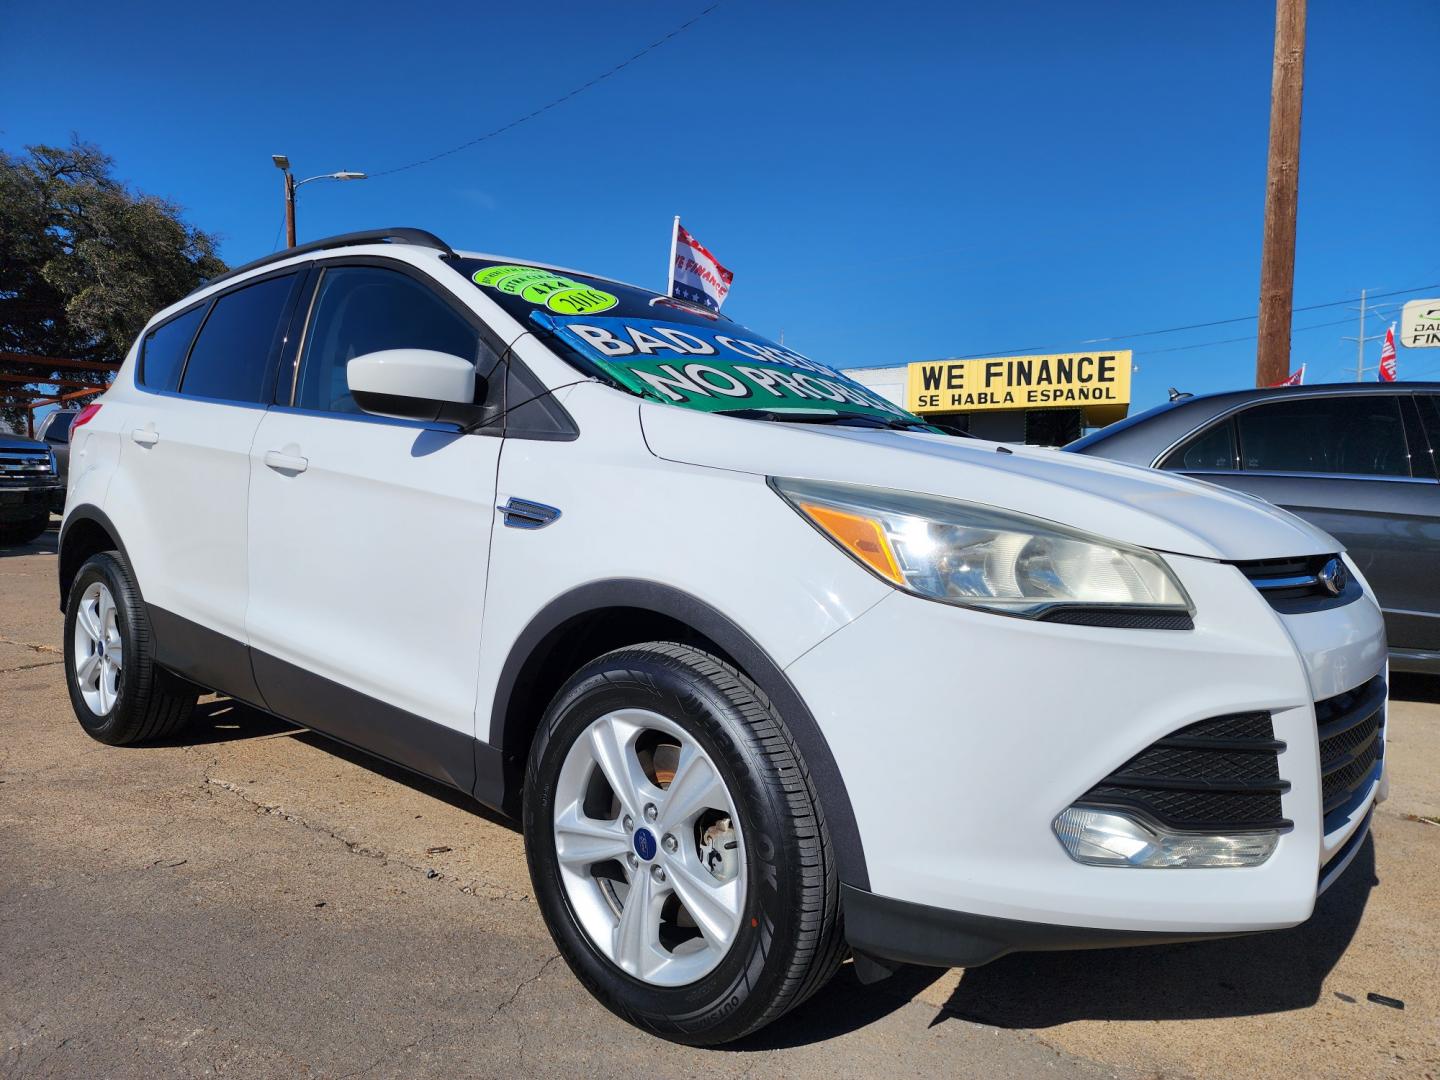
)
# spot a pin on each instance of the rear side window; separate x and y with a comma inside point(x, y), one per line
point(364, 309)
point(233, 355)
point(1209, 451)
point(59, 429)
point(1353, 436)
point(163, 353)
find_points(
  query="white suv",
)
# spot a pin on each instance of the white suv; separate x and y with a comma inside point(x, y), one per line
point(768, 667)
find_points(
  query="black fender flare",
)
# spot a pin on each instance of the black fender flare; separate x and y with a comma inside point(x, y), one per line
point(719, 628)
point(92, 513)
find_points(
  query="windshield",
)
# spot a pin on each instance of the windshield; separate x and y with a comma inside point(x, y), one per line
point(676, 353)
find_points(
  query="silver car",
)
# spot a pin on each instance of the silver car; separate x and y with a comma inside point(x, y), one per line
point(1362, 461)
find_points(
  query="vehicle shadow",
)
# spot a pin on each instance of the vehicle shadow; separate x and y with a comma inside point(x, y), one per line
point(1249, 976)
point(47, 543)
point(840, 1007)
point(223, 719)
point(1405, 686)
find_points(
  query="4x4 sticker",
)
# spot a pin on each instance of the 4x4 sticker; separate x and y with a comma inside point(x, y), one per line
point(555, 291)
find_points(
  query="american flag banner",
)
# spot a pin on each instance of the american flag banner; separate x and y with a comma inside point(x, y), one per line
point(696, 276)
point(1387, 356)
point(1297, 378)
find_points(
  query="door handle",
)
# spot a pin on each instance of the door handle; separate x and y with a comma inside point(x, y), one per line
point(286, 463)
point(145, 436)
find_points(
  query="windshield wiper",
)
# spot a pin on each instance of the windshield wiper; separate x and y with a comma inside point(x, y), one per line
point(785, 416)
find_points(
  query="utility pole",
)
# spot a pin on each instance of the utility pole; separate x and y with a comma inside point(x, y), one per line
point(289, 209)
point(1360, 343)
point(1282, 182)
point(283, 164)
point(1362, 338)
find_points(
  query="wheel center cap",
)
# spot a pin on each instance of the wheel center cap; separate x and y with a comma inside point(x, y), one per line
point(645, 845)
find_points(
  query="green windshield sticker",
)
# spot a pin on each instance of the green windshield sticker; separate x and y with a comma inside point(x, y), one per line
point(581, 300)
point(555, 291)
point(701, 367)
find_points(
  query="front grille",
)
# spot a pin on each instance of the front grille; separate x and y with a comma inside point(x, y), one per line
point(23, 467)
point(1351, 729)
point(1294, 586)
point(1219, 775)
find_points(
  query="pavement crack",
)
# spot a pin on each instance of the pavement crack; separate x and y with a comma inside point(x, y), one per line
point(29, 645)
point(355, 847)
point(28, 667)
point(522, 986)
point(477, 887)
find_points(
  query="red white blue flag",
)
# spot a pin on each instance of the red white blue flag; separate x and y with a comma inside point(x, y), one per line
point(1387, 356)
point(1297, 378)
point(696, 276)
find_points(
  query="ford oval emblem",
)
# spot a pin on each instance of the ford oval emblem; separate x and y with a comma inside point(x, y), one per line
point(645, 844)
point(1334, 577)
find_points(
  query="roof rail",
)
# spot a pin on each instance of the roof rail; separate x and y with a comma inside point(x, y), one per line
point(416, 237)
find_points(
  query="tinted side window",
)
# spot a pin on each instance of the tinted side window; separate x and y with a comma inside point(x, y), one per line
point(1430, 415)
point(59, 429)
point(164, 350)
point(1210, 450)
point(1360, 435)
point(363, 309)
point(1429, 406)
point(233, 354)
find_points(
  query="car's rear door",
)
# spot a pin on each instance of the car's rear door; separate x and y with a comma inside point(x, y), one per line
point(180, 497)
point(370, 537)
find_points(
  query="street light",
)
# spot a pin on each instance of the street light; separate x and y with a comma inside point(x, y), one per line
point(283, 164)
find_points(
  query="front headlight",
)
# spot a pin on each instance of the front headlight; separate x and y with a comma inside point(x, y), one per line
point(54, 464)
point(976, 556)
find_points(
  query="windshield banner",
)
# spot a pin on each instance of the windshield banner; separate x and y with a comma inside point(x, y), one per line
point(713, 369)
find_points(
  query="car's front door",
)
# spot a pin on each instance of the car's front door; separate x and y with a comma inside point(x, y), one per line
point(1344, 463)
point(369, 537)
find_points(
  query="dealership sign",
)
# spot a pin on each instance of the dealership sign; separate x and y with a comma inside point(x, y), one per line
point(1420, 324)
point(1062, 380)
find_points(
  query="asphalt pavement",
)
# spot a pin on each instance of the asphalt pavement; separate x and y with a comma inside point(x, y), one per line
point(250, 900)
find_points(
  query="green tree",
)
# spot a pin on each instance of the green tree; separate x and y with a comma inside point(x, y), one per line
point(85, 261)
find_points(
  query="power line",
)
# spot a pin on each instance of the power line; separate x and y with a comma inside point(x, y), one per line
point(1014, 349)
point(557, 101)
point(1248, 337)
point(1248, 318)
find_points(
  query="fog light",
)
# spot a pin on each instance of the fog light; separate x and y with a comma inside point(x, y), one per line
point(1113, 838)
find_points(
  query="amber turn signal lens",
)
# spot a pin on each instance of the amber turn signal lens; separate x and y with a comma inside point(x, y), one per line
point(861, 536)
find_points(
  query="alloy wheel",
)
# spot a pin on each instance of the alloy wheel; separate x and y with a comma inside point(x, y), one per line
point(650, 848)
point(99, 650)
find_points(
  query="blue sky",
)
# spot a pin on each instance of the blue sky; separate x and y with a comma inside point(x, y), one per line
point(888, 182)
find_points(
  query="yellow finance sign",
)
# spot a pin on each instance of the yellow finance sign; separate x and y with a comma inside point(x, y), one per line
point(1064, 380)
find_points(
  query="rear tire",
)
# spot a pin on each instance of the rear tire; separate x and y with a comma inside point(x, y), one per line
point(777, 938)
point(119, 694)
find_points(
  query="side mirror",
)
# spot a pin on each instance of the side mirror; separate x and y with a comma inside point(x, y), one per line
point(415, 384)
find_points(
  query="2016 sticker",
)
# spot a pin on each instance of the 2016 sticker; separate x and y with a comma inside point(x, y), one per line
point(555, 291)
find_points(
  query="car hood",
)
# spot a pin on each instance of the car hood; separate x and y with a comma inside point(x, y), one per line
point(1135, 505)
point(16, 442)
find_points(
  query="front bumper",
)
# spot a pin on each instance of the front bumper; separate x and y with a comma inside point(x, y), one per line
point(959, 753)
point(28, 501)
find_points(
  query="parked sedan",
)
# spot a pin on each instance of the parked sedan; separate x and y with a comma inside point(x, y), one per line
point(1362, 461)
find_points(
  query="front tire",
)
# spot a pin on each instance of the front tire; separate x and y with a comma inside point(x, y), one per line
point(119, 694)
point(664, 774)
